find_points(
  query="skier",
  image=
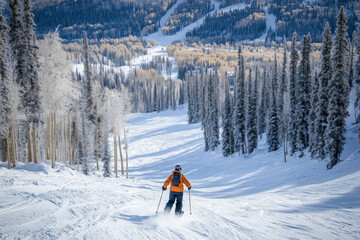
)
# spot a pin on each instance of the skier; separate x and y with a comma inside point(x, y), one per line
point(177, 179)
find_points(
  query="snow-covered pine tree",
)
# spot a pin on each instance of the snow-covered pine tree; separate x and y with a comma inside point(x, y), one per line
point(303, 97)
point(319, 148)
point(227, 135)
point(262, 111)
point(18, 60)
point(251, 115)
point(5, 84)
point(357, 79)
point(351, 61)
point(312, 115)
point(213, 114)
point(292, 129)
point(338, 93)
point(283, 85)
point(273, 132)
point(239, 109)
point(90, 106)
point(106, 156)
point(32, 97)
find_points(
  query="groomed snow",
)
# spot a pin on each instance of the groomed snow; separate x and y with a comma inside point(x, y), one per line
point(257, 197)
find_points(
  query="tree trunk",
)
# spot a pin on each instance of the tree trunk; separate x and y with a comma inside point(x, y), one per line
point(29, 143)
point(13, 150)
point(230, 138)
point(54, 139)
point(8, 151)
point(121, 157)
point(4, 146)
point(97, 138)
point(126, 152)
point(65, 141)
point(115, 155)
point(35, 144)
point(69, 139)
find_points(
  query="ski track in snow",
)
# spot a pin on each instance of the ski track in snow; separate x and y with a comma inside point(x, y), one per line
point(257, 197)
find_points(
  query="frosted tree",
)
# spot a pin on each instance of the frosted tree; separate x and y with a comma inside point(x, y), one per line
point(5, 92)
point(338, 89)
point(273, 132)
point(239, 109)
point(292, 129)
point(282, 95)
point(318, 149)
point(227, 135)
point(59, 92)
point(262, 111)
point(251, 115)
point(303, 97)
point(312, 115)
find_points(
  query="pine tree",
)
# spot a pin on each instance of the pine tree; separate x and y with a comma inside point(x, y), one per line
point(292, 130)
point(273, 132)
point(227, 135)
point(19, 61)
point(357, 79)
point(88, 82)
point(251, 116)
point(319, 148)
point(32, 96)
point(262, 112)
point(282, 97)
point(213, 115)
point(351, 61)
point(239, 111)
point(106, 156)
point(303, 97)
point(338, 94)
point(312, 115)
point(5, 81)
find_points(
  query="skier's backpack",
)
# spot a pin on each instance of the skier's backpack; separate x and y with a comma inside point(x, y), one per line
point(176, 179)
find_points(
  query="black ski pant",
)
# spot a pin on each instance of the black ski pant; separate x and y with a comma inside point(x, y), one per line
point(179, 197)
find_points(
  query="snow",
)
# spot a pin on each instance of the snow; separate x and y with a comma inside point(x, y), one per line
point(270, 23)
point(254, 197)
point(136, 63)
point(165, 40)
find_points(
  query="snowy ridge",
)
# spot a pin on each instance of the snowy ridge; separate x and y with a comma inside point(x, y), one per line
point(232, 198)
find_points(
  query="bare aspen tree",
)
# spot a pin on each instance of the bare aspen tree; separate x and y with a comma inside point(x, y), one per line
point(121, 157)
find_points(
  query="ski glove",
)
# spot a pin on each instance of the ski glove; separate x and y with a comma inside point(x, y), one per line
point(189, 188)
point(163, 188)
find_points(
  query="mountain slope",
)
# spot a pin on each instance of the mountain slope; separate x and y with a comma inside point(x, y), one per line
point(255, 197)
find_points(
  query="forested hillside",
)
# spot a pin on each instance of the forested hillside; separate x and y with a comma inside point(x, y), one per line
point(101, 19)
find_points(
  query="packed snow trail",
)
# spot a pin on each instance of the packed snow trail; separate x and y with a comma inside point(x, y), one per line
point(257, 197)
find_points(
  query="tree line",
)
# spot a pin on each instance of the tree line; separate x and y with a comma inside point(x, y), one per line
point(298, 107)
point(47, 111)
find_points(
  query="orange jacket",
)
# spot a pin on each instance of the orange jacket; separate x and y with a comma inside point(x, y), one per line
point(179, 188)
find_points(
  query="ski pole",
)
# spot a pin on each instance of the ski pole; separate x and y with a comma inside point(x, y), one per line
point(159, 202)
point(189, 202)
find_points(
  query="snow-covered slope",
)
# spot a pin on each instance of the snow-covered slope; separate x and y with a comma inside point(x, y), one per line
point(257, 197)
point(164, 40)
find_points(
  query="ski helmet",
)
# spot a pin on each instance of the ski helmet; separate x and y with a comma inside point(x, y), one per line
point(178, 168)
